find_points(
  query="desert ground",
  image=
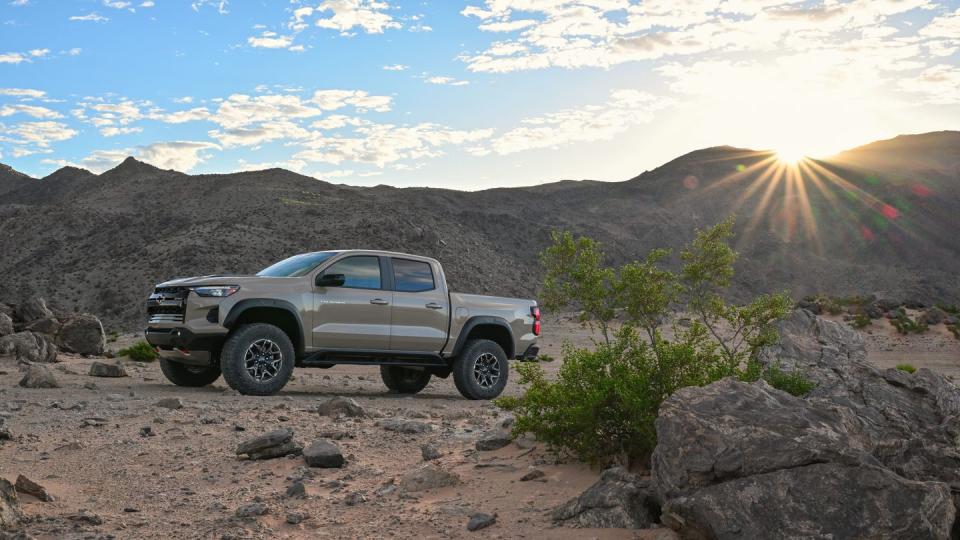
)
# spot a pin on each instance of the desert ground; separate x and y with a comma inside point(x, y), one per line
point(119, 465)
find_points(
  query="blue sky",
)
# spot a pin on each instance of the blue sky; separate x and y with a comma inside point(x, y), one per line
point(463, 95)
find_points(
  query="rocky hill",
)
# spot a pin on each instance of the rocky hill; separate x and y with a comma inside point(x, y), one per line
point(876, 219)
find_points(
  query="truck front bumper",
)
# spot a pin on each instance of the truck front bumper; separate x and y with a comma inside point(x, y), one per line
point(182, 345)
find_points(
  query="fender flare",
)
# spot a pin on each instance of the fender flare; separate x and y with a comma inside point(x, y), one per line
point(482, 320)
point(240, 307)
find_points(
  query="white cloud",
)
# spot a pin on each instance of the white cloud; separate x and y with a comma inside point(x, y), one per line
point(41, 134)
point(22, 92)
point(943, 26)
point(180, 117)
point(147, 4)
point(184, 99)
point(39, 53)
point(270, 40)
point(624, 109)
point(368, 15)
point(396, 67)
point(29, 110)
point(116, 4)
point(939, 84)
point(74, 51)
point(178, 155)
point(450, 81)
point(112, 131)
point(220, 5)
point(290, 164)
point(12, 58)
point(89, 17)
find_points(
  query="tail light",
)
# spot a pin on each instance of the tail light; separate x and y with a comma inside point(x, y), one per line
point(535, 311)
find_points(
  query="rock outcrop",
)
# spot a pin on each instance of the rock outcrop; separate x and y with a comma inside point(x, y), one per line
point(29, 347)
point(82, 333)
point(868, 453)
point(619, 499)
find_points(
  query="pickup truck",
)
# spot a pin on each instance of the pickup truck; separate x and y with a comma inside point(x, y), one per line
point(320, 309)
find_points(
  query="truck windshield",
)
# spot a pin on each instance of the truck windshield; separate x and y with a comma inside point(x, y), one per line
point(297, 265)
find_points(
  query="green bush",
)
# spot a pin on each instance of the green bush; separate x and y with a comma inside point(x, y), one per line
point(604, 402)
point(861, 320)
point(905, 325)
point(140, 351)
point(906, 367)
point(793, 382)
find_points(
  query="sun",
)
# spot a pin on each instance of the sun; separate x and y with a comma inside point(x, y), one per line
point(790, 154)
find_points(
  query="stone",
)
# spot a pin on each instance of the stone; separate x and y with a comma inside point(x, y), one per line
point(354, 498)
point(6, 325)
point(494, 439)
point(25, 485)
point(172, 403)
point(49, 326)
point(251, 510)
point(297, 490)
point(101, 369)
point(294, 518)
point(403, 425)
point(32, 309)
point(481, 521)
point(29, 347)
point(535, 474)
point(618, 499)
point(38, 376)
point(822, 500)
point(325, 454)
point(341, 406)
point(427, 477)
point(10, 514)
point(86, 517)
point(82, 333)
point(286, 449)
point(429, 452)
point(267, 440)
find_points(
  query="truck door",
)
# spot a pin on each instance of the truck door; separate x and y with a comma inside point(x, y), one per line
point(421, 308)
point(356, 314)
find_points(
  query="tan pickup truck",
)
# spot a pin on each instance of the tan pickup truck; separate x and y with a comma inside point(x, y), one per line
point(326, 308)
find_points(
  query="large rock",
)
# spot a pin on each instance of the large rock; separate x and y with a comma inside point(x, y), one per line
point(82, 334)
point(49, 326)
point(32, 309)
point(428, 477)
point(868, 453)
point(337, 405)
point(619, 500)
point(38, 376)
point(325, 454)
point(29, 347)
point(101, 369)
point(10, 513)
point(270, 445)
point(6, 325)
point(825, 500)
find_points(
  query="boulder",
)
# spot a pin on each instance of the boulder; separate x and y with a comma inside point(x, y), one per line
point(32, 309)
point(25, 485)
point(10, 513)
point(494, 439)
point(251, 510)
point(430, 452)
point(172, 403)
point(619, 499)
point(6, 325)
point(325, 454)
point(82, 333)
point(481, 521)
point(38, 376)
point(101, 369)
point(290, 448)
point(48, 326)
point(270, 445)
point(428, 477)
point(867, 453)
point(933, 316)
point(29, 347)
point(823, 500)
point(336, 406)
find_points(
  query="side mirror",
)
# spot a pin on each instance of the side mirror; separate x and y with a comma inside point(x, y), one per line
point(330, 280)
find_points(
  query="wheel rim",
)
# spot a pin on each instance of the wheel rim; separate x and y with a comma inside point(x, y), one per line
point(486, 370)
point(263, 360)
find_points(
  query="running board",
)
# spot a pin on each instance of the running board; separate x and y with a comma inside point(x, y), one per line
point(373, 358)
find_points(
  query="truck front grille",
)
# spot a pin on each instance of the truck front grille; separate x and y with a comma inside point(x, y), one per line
point(167, 305)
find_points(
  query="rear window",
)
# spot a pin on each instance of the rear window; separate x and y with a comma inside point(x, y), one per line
point(412, 276)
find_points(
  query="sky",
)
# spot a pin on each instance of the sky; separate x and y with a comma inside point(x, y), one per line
point(464, 94)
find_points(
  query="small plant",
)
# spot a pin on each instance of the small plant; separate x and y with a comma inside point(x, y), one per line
point(907, 368)
point(793, 383)
point(140, 351)
point(112, 338)
point(861, 320)
point(905, 325)
point(544, 358)
point(952, 309)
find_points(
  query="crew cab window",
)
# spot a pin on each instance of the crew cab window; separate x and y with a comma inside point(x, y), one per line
point(359, 272)
point(412, 276)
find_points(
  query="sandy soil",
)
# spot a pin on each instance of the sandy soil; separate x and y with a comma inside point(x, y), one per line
point(186, 482)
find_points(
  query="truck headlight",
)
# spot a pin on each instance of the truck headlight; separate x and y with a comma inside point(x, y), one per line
point(219, 291)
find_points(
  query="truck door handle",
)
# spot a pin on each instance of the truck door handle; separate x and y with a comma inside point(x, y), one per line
point(379, 302)
point(434, 305)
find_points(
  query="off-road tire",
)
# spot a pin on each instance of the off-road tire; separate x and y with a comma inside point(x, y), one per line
point(233, 364)
point(187, 375)
point(463, 369)
point(403, 380)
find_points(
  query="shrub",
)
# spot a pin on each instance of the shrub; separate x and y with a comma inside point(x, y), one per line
point(604, 402)
point(140, 351)
point(955, 330)
point(861, 320)
point(906, 367)
point(905, 325)
point(793, 382)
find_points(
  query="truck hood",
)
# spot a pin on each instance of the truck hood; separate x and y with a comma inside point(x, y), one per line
point(213, 280)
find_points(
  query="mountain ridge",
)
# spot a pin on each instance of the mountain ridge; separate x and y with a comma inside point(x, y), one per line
point(99, 242)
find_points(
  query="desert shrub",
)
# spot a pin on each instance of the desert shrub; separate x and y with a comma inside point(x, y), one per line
point(906, 325)
point(140, 351)
point(861, 320)
point(792, 382)
point(953, 309)
point(544, 358)
point(955, 330)
point(906, 367)
point(604, 402)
